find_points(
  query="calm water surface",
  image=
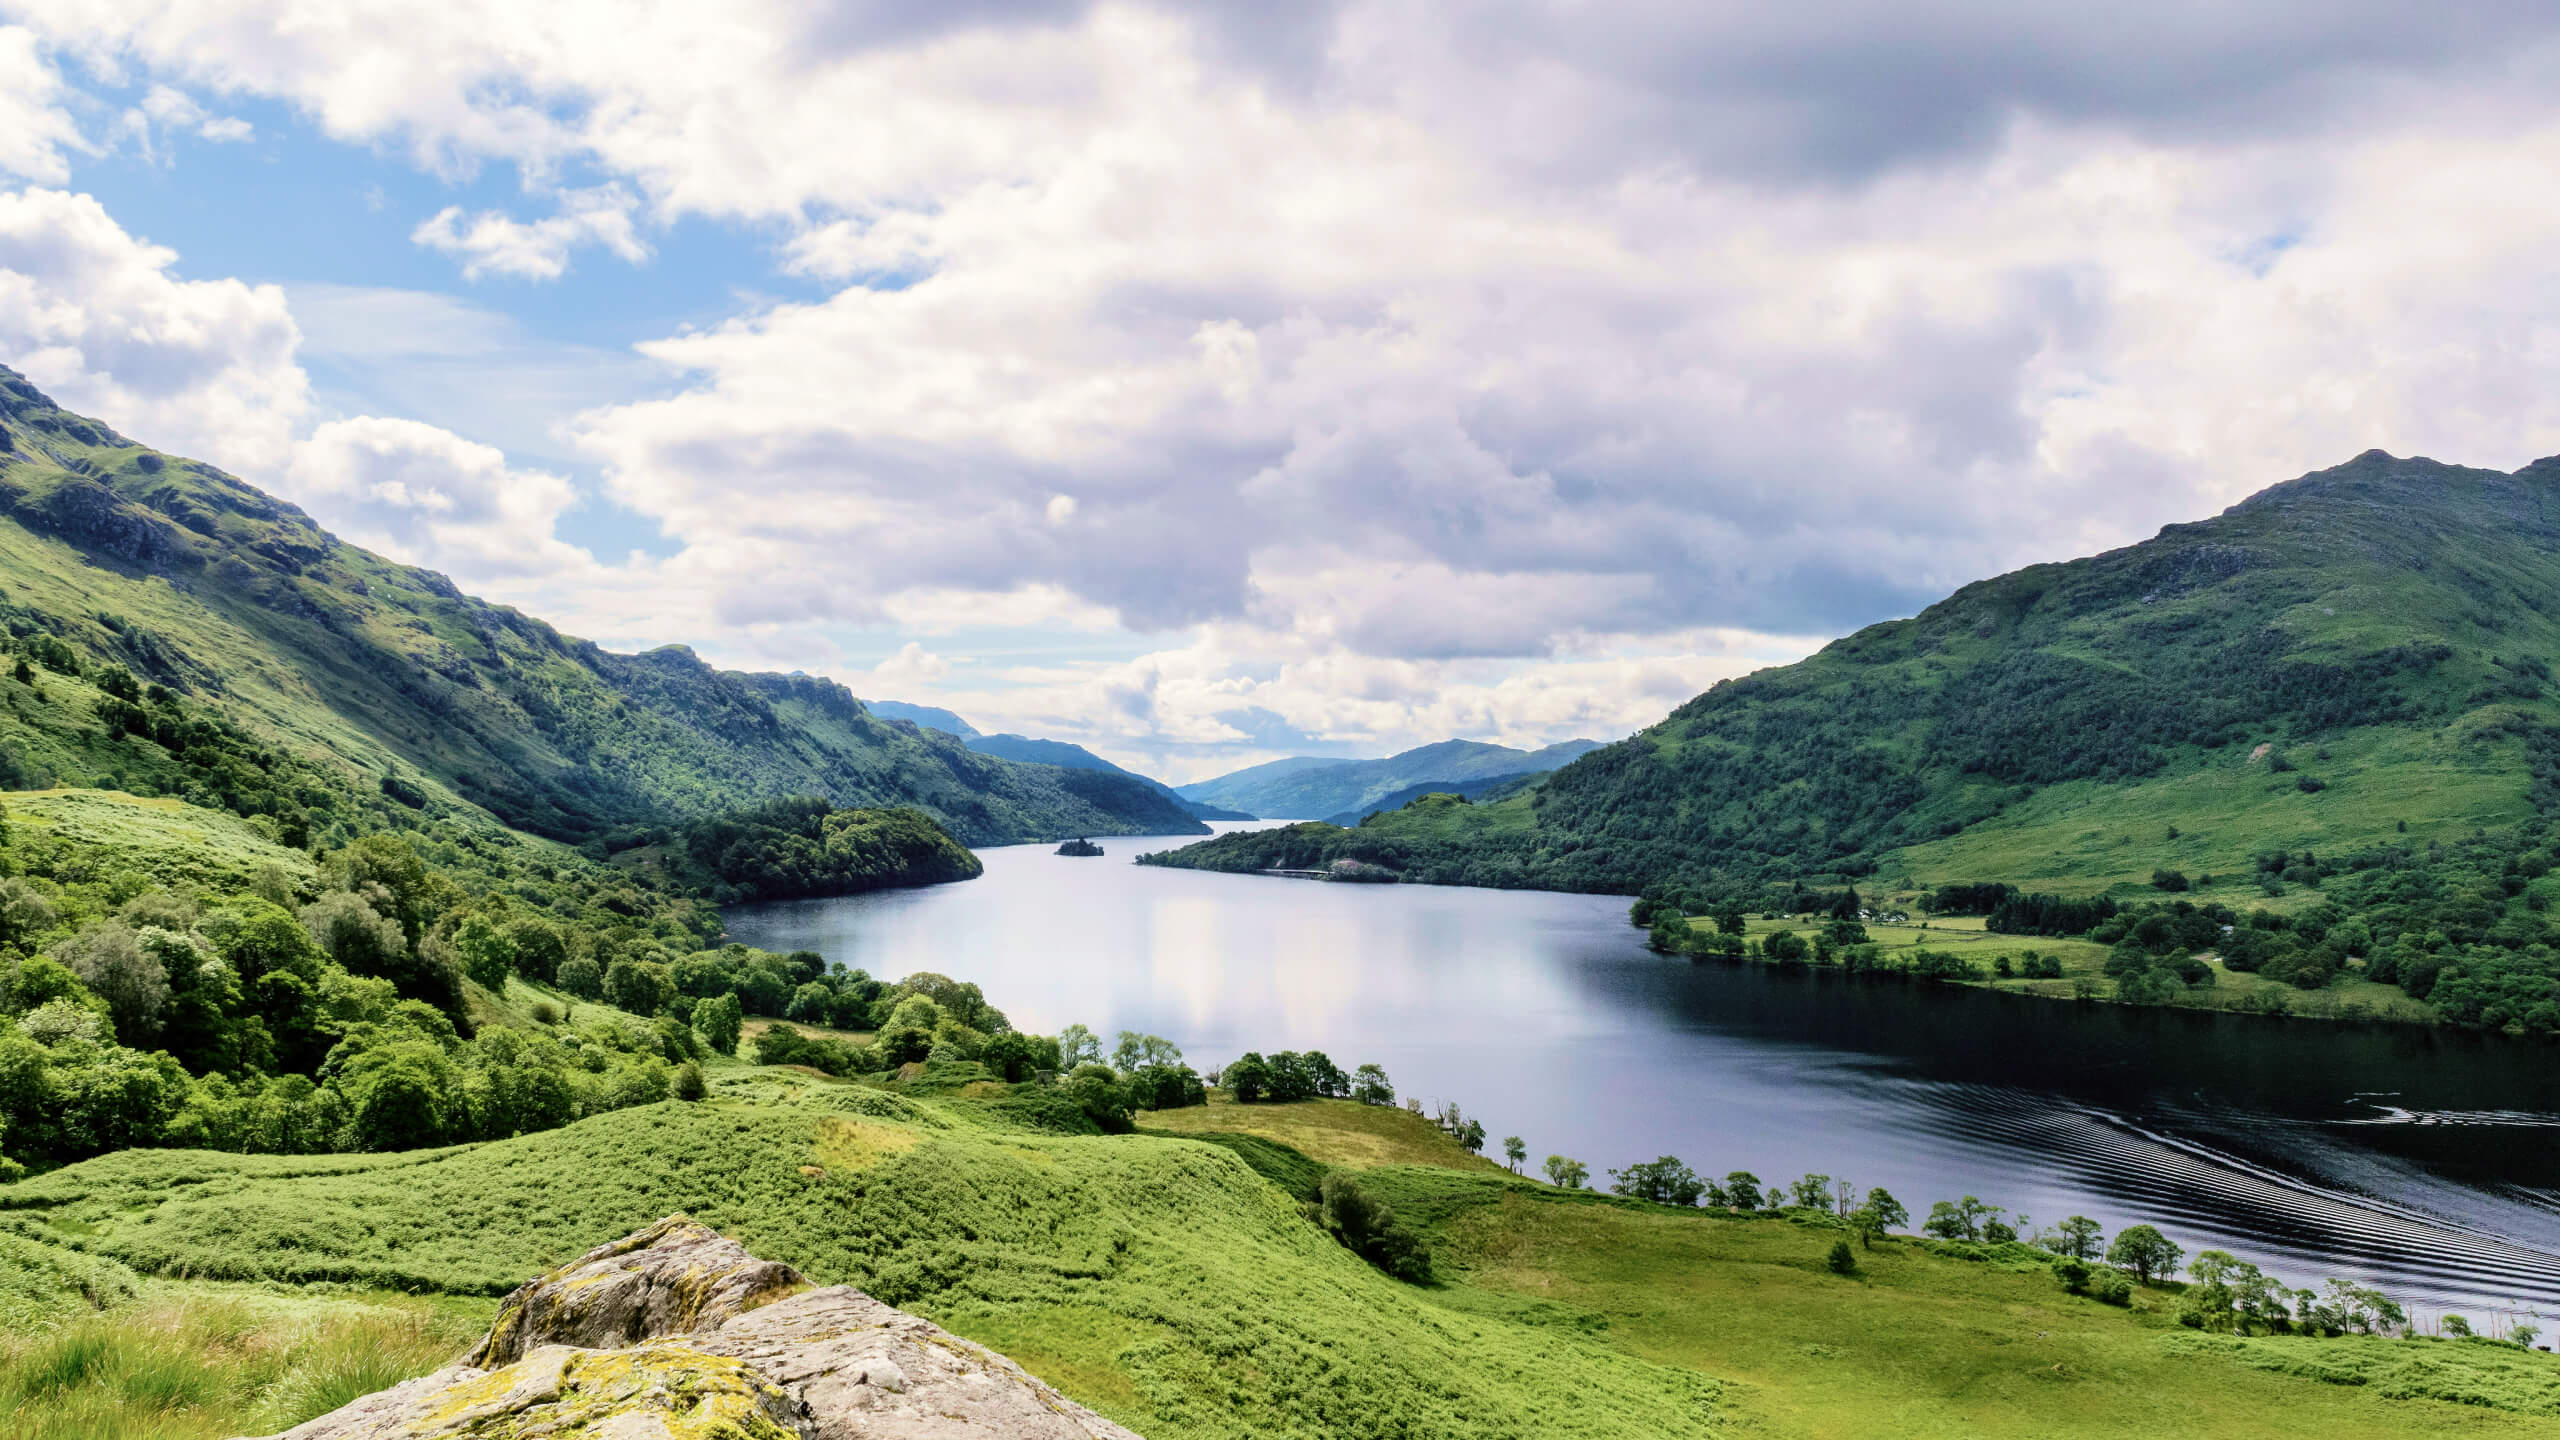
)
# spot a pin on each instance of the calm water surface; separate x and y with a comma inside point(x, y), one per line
point(2427, 1163)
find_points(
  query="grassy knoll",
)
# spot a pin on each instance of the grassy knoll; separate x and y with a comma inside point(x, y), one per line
point(755, 1025)
point(1160, 1279)
point(1330, 1132)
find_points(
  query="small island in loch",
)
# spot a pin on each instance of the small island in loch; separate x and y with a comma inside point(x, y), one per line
point(1081, 847)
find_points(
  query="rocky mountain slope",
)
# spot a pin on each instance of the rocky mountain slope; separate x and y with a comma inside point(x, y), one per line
point(2359, 655)
point(248, 615)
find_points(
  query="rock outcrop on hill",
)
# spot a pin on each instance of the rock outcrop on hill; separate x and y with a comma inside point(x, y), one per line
point(674, 1333)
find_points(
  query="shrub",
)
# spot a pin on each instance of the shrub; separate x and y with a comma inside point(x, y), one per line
point(1842, 1260)
point(583, 978)
point(1368, 1228)
point(688, 1083)
point(545, 1013)
point(1104, 1100)
point(2110, 1287)
point(642, 987)
point(719, 1021)
point(2074, 1274)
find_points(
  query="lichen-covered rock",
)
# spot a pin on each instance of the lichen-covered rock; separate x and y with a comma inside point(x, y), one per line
point(664, 1390)
point(677, 1334)
point(674, 1277)
point(866, 1370)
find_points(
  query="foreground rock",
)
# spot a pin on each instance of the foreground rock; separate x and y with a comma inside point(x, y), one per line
point(677, 1334)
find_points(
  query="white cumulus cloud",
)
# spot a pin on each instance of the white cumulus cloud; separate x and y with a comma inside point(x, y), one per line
point(430, 497)
point(34, 127)
point(102, 321)
point(912, 665)
point(1410, 369)
point(493, 244)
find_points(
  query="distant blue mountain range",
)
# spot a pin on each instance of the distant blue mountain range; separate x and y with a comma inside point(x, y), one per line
point(1307, 787)
point(1037, 752)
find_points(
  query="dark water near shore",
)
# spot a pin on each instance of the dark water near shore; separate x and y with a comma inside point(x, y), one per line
point(2425, 1162)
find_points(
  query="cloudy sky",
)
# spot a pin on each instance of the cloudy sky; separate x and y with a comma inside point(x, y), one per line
point(1203, 385)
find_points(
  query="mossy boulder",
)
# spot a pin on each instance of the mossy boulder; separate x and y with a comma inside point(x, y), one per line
point(675, 1333)
point(672, 1278)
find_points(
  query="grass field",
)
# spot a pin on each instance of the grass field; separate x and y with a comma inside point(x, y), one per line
point(201, 1362)
point(1160, 1281)
point(1918, 1345)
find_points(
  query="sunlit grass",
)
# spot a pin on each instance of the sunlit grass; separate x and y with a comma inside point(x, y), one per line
point(1920, 1345)
point(1332, 1132)
point(193, 1362)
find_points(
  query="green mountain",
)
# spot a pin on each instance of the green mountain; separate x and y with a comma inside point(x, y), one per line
point(1309, 786)
point(1493, 788)
point(1075, 757)
point(2357, 656)
point(307, 651)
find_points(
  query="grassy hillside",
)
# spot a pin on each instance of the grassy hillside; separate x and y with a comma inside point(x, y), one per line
point(1164, 1282)
point(171, 842)
point(243, 612)
point(2384, 629)
point(1161, 1281)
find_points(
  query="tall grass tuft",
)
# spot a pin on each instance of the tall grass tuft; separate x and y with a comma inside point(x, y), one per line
point(201, 1368)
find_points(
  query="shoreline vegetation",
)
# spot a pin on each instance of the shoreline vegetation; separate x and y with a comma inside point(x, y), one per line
point(1959, 951)
point(2458, 932)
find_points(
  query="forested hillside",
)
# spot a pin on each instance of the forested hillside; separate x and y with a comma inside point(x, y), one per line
point(2358, 655)
point(177, 631)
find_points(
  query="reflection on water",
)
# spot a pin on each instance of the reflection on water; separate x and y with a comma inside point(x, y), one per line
point(2418, 1160)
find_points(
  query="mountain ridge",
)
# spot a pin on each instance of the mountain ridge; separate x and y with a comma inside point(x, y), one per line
point(1309, 786)
point(238, 603)
point(2399, 614)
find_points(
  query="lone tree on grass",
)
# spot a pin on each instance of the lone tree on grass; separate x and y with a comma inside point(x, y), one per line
point(2144, 1251)
point(1878, 1216)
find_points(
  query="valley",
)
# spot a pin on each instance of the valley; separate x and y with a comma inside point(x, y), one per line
point(366, 949)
